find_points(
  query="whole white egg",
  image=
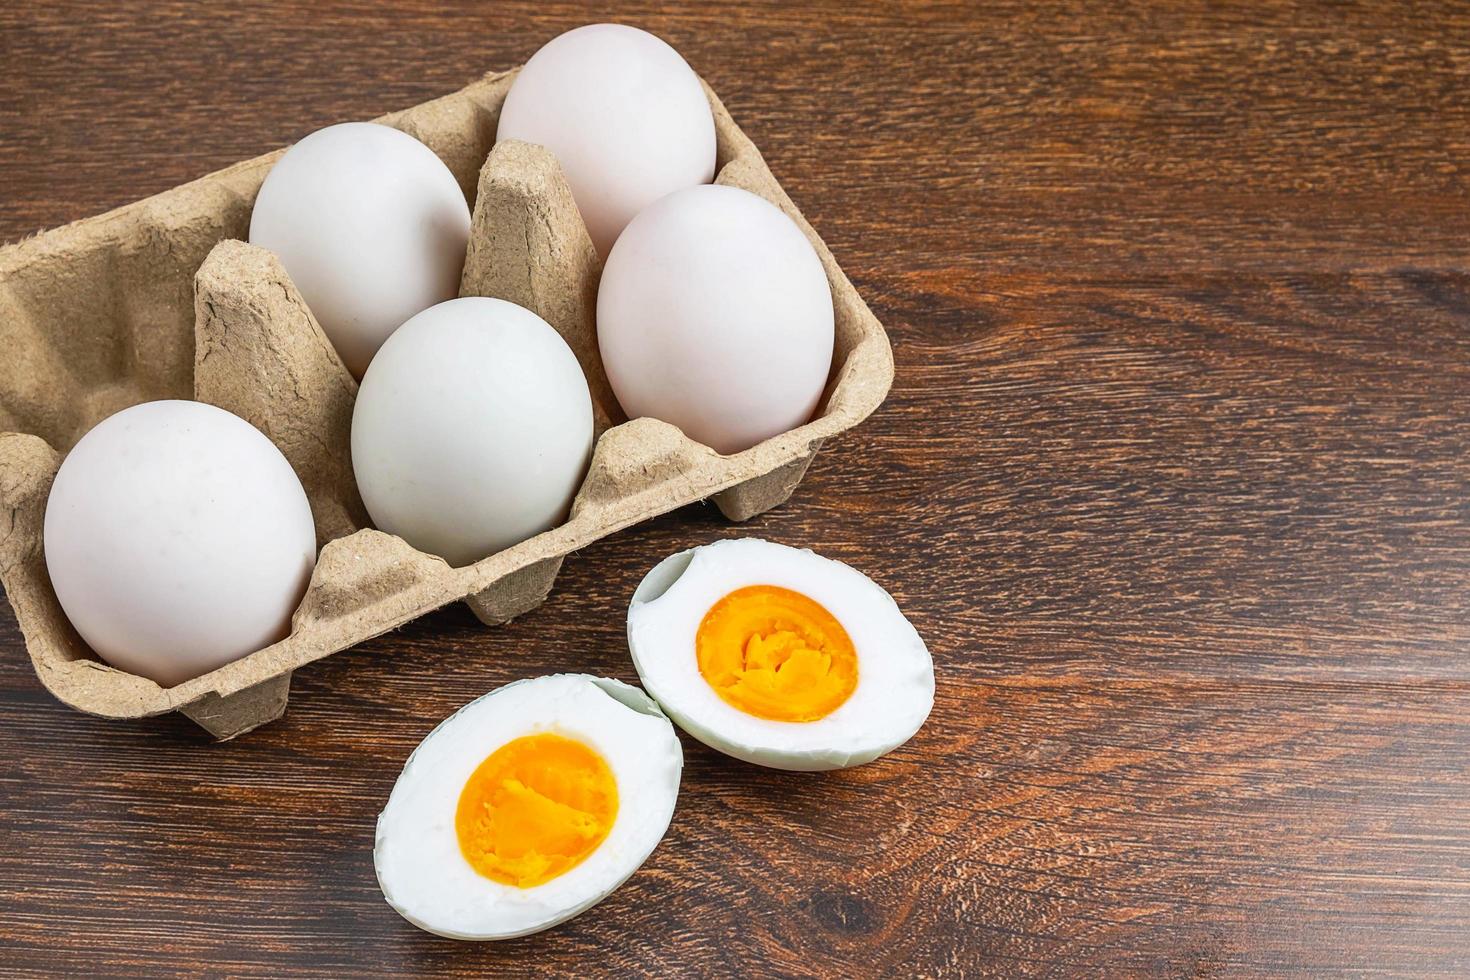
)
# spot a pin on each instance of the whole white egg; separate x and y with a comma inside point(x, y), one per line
point(714, 314)
point(472, 429)
point(779, 656)
point(527, 807)
point(372, 228)
point(177, 538)
point(624, 115)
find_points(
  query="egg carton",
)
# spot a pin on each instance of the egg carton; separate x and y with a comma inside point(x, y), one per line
point(161, 299)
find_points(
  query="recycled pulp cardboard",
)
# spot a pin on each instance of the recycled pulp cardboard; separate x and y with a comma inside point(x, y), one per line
point(160, 299)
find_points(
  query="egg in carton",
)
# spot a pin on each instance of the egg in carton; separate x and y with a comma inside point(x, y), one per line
point(160, 299)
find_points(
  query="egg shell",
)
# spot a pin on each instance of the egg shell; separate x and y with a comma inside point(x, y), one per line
point(371, 226)
point(177, 539)
point(420, 869)
point(102, 314)
point(624, 115)
point(895, 690)
point(714, 314)
point(472, 429)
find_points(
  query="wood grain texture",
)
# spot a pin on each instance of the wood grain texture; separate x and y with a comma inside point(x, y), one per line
point(1175, 480)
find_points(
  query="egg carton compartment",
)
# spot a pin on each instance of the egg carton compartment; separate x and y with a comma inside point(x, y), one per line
point(162, 299)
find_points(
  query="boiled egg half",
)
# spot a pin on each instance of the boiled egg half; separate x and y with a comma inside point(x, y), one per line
point(779, 656)
point(527, 807)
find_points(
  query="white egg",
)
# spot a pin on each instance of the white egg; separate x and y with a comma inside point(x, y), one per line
point(372, 228)
point(714, 314)
point(527, 807)
point(177, 538)
point(779, 656)
point(472, 429)
point(625, 116)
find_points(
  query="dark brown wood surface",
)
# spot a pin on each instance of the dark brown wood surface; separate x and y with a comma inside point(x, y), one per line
point(1175, 480)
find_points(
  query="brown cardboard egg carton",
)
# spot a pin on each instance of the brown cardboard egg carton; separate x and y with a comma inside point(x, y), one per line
point(159, 299)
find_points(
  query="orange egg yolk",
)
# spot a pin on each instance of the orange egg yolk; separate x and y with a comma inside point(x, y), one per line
point(535, 809)
point(776, 654)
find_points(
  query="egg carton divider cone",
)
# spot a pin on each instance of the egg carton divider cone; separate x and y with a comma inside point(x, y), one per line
point(162, 299)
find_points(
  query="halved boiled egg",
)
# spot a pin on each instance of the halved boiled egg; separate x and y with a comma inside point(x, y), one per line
point(779, 656)
point(527, 806)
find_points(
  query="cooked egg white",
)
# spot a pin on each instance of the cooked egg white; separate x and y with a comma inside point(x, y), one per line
point(779, 656)
point(527, 807)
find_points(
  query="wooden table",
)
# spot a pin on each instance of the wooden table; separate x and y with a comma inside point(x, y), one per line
point(1175, 480)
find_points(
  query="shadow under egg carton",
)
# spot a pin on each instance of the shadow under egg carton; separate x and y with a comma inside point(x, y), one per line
point(159, 299)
